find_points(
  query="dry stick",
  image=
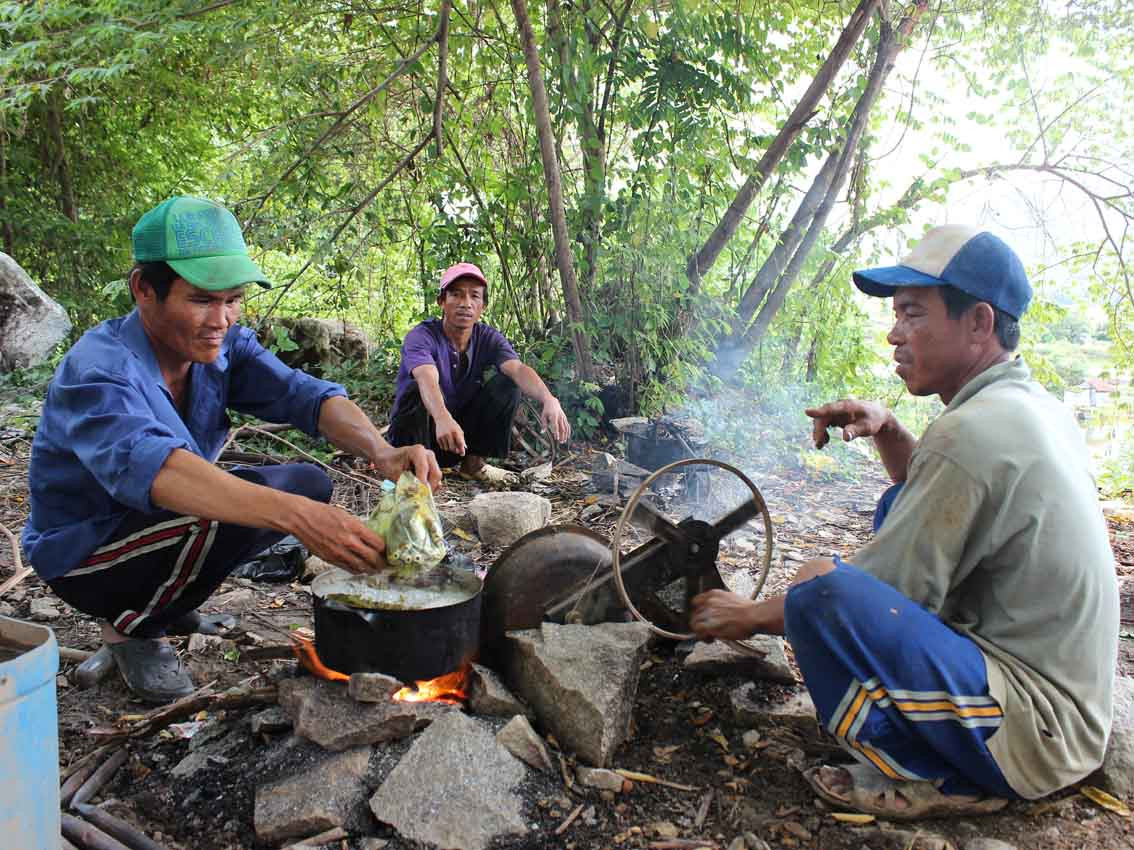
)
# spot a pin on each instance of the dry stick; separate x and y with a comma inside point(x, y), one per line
point(683, 844)
point(570, 819)
point(129, 835)
point(325, 837)
point(69, 654)
point(703, 811)
point(653, 780)
point(92, 758)
point(99, 778)
point(19, 572)
point(87, 835)
point(74, 782)
point(162, 717)
point(361, 479)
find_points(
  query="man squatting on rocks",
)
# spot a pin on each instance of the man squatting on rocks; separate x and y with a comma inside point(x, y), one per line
point(130, 521)
point(966, 655)
point(442, 400)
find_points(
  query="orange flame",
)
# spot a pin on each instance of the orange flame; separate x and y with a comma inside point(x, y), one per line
point(450, 688)
point(304, 649)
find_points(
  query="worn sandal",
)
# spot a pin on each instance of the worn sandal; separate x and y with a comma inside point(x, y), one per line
point(488, 474)
point(194, 622)
point(151, 669)
point(875, 794)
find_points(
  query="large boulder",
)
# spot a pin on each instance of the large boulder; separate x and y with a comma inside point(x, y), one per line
point(321, 342)
point(455, 788)
point(287, 808)
point(1117, 771)
point(581, 682)
point(31, 323)
point(503, 518)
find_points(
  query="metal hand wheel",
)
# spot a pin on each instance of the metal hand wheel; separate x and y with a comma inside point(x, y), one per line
point(689, 548)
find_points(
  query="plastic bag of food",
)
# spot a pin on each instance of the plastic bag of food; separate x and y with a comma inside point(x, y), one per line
point(407, 520)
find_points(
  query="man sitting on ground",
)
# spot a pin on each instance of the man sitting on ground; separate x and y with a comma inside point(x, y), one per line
point(966, 655)
point(442, 399)
point(130, 521)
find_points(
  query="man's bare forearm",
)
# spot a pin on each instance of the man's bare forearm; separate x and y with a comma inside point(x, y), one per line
point(344, 424)
point(895, 446)
point(528, 380)
point(190, 485)
point(429, 388)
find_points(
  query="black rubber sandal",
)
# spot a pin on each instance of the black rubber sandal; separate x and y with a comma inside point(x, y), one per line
point(197, 623)
point(151, 669)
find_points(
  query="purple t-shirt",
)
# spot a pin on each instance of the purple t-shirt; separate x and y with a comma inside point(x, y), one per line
point(427, 343)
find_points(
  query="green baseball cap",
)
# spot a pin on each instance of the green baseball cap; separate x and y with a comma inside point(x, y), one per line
point(200, 240)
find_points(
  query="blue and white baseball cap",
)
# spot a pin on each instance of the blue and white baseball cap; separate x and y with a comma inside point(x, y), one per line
point(970, 259)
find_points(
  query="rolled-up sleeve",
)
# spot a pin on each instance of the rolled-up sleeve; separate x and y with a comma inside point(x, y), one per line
point(263, 386)
point(109, 426)
point(418, 349)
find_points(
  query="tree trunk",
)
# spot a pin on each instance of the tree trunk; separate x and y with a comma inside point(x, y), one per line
point(802, 234)
point(555, 193)
point(707, 255)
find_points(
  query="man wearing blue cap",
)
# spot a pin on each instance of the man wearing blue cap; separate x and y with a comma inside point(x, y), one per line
point(966, 655)
point(130, 521)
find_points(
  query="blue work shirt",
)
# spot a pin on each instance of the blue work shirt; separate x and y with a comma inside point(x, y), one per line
point(109, 423)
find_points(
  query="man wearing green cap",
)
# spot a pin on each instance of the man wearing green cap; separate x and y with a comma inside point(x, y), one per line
point(130, 521)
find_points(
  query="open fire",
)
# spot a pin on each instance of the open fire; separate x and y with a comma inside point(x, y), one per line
point(451, 688)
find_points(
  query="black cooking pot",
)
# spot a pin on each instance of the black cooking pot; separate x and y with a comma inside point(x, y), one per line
point(410, 644)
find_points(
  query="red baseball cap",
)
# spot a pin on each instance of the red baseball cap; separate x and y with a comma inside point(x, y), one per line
point(462, 270)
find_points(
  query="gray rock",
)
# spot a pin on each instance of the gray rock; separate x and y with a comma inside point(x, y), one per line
point(200, 644)
point(611, 475)
point(372, 843)
point(520, 739)
point(323, 712)
point(721, 657)
point(600, 778)
point(457, 516)
point(738, 843)
point(580, 681)
point(537, 473)
point(901, 839)
point(987, 844)
point(755, 842)
point(42, 609)
point(503, 518)
point(749, 709)
point(373, 687)
point(287, 808)
point(272, 719)
point(7, 609)
point(468, 799)
point(240, 599)
point(314, 567)
point(489, 696)
point(1117, 771)
point(31, 323)
point(212, 742)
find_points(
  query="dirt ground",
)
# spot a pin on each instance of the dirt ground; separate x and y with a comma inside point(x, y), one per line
point(684, 731)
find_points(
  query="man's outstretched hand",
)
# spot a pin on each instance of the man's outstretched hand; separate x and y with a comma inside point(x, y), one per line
point(554, 420)
point(856, 418)
point(339, 538)
point(416, 459)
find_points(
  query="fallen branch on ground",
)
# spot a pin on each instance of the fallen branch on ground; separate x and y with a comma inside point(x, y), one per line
point(19, 572)
point(645, 777)
point(161, 717)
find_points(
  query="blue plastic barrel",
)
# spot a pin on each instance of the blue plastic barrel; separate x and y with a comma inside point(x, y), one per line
point(29, 737)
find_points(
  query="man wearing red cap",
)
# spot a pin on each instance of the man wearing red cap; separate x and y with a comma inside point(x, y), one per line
point(443, 400)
